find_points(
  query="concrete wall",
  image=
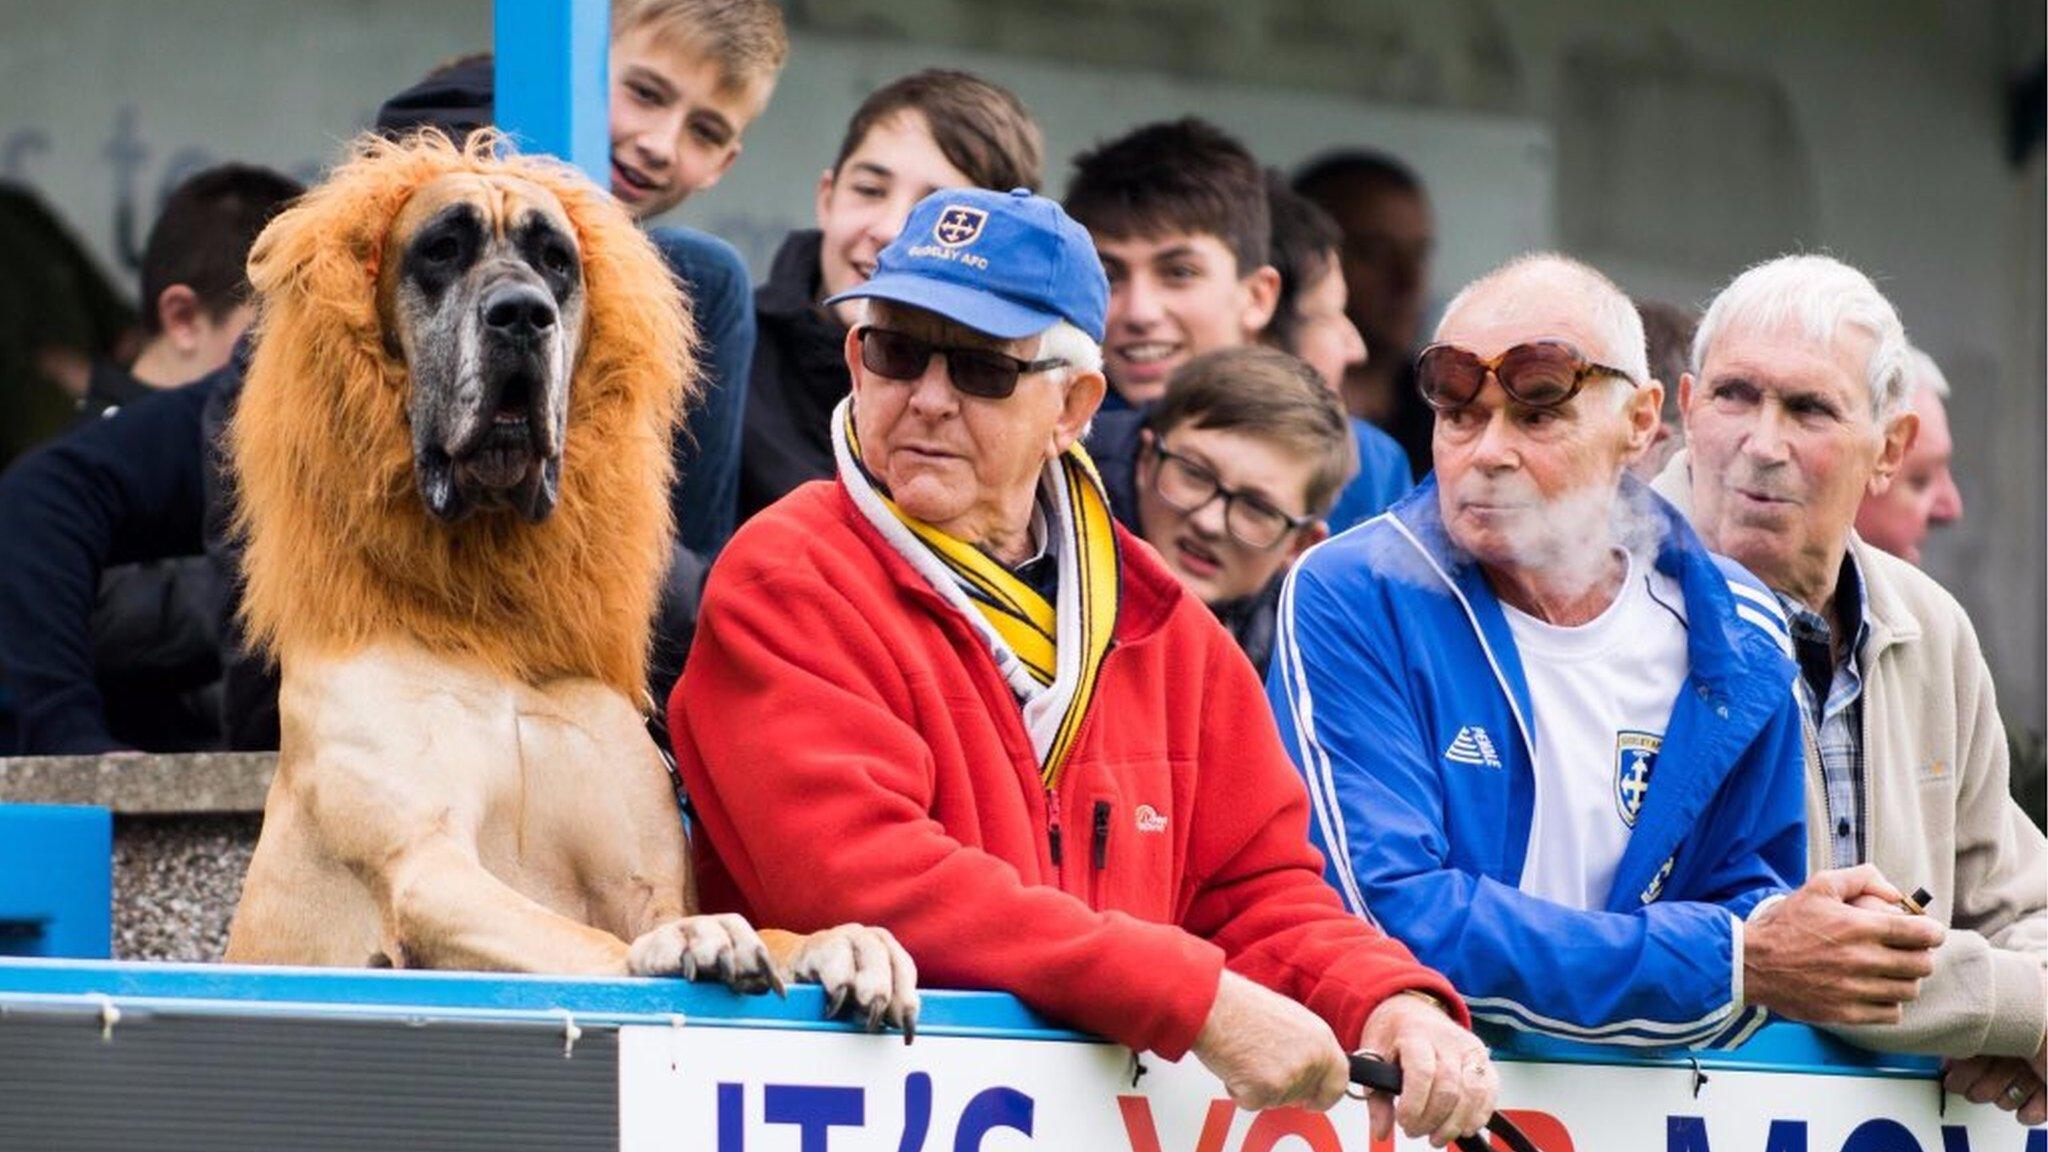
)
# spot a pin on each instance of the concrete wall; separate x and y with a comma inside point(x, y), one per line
point(184, 829)
point(1672, 143)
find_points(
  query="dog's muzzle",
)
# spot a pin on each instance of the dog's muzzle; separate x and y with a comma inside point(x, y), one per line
point(507, 453)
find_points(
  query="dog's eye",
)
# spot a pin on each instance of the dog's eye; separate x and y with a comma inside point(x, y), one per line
point(555, 260)
point(442, 249)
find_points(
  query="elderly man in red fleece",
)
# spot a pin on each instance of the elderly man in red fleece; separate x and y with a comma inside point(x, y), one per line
point(948, 695)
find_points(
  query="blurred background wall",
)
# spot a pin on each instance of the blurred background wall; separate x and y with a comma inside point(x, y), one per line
point(1668, 142)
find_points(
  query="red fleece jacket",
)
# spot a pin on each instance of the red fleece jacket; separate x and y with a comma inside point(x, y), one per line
point(853, 754)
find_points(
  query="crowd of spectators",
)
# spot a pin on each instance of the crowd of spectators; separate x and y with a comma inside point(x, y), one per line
point(1632, 721)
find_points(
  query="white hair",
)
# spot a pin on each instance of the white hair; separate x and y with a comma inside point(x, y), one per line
point(1612, 311)
point(1064, 341)
point(1925, 373)
point(1819, 295)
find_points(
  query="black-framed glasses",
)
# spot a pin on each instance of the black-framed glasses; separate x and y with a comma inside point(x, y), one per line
point(1187, 487)
point(982, 372)
point(1539, 374)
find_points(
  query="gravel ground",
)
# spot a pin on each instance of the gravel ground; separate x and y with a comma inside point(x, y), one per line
point(176, 880)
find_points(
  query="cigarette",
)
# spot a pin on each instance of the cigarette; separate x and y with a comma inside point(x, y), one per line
point(1916, 904)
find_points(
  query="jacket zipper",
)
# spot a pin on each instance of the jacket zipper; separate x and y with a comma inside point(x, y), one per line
point(1098, 852)
point(1053, 833)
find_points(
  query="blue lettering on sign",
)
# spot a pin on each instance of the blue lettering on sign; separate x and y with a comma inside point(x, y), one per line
point(1689, 1134)
point(917, 1112)
point(732, 1123)
point(816, 1109)
point(992, 1108)
point(1681, 1134)
point(1881, 1136)
point(1786, 1136)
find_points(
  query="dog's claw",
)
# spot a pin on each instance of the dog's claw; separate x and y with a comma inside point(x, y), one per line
point(835, 1005)
point(761, 974)
point(759, 966)
point(689, 966)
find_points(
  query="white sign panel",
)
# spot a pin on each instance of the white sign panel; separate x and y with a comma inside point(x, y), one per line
point(706, 1089)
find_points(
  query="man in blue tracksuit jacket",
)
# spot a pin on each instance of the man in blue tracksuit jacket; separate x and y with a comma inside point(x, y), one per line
point(1572, 869)
point(1401, 695)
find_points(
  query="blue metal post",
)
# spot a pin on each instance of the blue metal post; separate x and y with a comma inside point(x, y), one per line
point(551, 83)
point(56, 881)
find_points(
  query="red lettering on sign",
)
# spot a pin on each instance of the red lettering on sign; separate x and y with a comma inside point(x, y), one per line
point(1269, 1128)
point(1545, 1131)
point(1144, 1134)
point(1276, 1125)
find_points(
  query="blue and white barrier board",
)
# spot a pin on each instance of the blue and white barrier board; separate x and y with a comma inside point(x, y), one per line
point(768, 1091)
point(168, 1057)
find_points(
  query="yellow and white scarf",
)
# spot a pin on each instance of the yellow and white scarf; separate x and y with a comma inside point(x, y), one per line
point(1049, 654)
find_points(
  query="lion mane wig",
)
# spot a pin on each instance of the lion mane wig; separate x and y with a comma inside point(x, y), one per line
point(341, 551)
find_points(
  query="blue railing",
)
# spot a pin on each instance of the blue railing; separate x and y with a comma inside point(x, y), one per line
point(193, 989)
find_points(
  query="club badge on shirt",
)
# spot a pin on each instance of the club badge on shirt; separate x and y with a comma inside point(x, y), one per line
point(1635, 757)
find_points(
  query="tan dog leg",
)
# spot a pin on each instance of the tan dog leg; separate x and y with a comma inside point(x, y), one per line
point(446, 911)
point(449, 912)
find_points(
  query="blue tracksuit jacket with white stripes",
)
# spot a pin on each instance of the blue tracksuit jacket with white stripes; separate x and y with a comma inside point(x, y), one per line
point(1402, 699)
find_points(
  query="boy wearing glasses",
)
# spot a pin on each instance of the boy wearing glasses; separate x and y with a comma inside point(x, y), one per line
point(1550, 737)
point(1230, 478)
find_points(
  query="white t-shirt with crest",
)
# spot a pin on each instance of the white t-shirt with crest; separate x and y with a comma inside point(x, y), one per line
point(1602, 694)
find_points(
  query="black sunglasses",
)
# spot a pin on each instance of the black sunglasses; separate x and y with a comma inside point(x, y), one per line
point(980, 372)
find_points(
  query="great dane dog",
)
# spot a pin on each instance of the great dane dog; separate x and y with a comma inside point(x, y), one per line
point(452, 460)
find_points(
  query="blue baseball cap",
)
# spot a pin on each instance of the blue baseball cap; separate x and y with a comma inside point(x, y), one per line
point(1010, 264)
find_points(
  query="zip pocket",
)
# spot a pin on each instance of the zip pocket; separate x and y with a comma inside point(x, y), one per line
point(1098, 850)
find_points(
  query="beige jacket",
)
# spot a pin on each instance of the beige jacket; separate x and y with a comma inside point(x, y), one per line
point(1938, 813)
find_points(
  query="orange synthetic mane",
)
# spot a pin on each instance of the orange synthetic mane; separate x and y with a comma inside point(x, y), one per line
point(341, 550)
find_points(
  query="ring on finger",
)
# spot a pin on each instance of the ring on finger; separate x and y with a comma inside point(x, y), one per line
point(2018, 1091)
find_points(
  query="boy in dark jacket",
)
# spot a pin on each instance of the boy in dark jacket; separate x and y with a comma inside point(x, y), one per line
point(107, 614)
point(930, 130)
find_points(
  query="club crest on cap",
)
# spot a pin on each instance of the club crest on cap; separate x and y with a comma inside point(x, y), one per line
point(959, 225)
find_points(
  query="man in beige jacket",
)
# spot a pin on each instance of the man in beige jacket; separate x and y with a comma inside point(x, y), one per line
point(1795, 410)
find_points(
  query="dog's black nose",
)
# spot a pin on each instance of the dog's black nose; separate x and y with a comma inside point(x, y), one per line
point(518, 312)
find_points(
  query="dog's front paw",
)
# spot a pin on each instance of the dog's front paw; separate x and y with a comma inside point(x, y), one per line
point(865, 969)
point(723, 948)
